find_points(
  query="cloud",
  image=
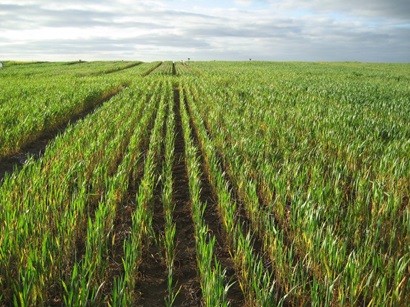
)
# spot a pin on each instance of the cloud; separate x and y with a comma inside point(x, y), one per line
point(237, 30)
point(244, 2)
point(399, 9)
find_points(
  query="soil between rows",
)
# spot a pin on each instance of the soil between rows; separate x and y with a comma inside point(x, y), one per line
point(152, 285)
point(185, 260)
point(152, 277)
point(123, 217)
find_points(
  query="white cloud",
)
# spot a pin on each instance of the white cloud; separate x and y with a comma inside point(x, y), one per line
point(244, 2)
point(240, 29)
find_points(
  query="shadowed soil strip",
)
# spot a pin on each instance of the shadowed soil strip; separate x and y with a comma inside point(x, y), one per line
point(122, 68)
point(76, 62)
point(122, 230)
point(37, 147)
point(152, 281)
point(212, 218)
point(174, 71)
point(151, 69)
point(185, 261)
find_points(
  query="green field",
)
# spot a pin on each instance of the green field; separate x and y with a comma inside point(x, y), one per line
point(213, 183)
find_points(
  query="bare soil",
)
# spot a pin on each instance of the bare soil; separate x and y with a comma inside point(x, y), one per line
point(185, 261)
point(152, 278)
point(152, 281)
point(174, 71)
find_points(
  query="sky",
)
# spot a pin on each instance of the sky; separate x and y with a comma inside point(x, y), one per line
point(268, 30)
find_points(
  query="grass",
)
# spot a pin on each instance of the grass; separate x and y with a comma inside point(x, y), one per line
point(308, 163)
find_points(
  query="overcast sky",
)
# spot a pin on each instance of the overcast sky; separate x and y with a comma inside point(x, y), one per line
point(292, 30)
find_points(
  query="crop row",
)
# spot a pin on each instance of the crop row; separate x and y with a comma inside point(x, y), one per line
point(304, 181)
point(325, 190)
point(40, 103)
point(54, 213)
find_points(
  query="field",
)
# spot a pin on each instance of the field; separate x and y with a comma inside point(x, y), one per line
point(204, 183)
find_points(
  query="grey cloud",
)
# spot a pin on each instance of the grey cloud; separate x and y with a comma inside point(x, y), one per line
point(393, 8)
point(76, 18)
point(207, 34)
point(20, 17)
point(371, 8)
point(29, 16)
point(245, 30)
point(172, 41)
point(107, 45)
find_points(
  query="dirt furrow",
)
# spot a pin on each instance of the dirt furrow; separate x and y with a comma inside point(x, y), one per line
point(174, 71)
point(152, 278)
point(185, 261)
point(122, 68)
point(123, 223)
point(152, 285)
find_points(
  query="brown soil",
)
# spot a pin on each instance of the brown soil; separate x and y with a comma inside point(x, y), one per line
point(123, 219)
point(122, 230)
point(212, 218)
point(185, 260)
point(122, 68)
point(152, 278)
point(174, 71)
point(152, 285)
